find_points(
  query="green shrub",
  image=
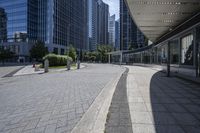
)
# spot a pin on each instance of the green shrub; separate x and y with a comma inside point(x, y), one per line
point(57, 60)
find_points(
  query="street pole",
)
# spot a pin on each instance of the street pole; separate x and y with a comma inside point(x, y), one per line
point(168, 61)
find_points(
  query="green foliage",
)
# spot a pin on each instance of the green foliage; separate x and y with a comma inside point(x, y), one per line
point(72, 53)
point(102, 51)
point(99, 55)
point(57, 60)
point(5, 54)
point(38, 51)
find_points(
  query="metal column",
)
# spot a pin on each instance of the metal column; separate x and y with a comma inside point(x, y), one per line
point(168, 60)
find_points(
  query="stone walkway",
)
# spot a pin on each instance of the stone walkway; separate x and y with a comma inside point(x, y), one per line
point(28, 70)
point(155, 103)
point(9, 70)
point(118, 118)
point(52, 102)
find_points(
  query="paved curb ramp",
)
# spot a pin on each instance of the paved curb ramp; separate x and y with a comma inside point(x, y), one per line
point(94, 119)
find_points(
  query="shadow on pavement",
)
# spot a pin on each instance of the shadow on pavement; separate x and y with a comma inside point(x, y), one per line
point(118, 119)
point(175, 105)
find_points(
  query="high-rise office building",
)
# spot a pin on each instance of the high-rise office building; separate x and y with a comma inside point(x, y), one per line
point(63, 23)
point(92, 20)
point(3, 26)
point(117, 34)
point(57, 23)
point(98, 23)
point(21, 18)
point(130, 36)
point(103, 14)
point(111, 30)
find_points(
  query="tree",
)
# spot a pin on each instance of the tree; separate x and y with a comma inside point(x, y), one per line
point(5, 54)
point(102, 51)
point(72, 53)
point(38, 51)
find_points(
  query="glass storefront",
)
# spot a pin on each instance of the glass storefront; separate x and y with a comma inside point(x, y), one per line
point(187, 50)
point(174, 52)
point(164, 54)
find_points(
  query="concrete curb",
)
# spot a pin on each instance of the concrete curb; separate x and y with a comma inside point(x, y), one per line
point(94, 120)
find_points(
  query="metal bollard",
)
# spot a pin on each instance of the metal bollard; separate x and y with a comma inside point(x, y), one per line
point(68, 64)
point(78, 64)
point(46, 66)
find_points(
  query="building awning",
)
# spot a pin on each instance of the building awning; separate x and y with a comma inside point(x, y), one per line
point(156, 18)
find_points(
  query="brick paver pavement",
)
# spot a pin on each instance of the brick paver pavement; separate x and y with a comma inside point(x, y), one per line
point(6, 70)
point(53, 102)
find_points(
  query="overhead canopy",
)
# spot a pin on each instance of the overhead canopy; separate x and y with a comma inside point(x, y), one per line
point(155, 18)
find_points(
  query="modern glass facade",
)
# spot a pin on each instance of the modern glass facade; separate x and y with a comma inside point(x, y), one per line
point(57, 23)
point(98, 23)
point(131, 37)
point(187, 50)
point(117, 35)
point(3, 25)
point(111, 30)
point(16, 11)
point(21, 19)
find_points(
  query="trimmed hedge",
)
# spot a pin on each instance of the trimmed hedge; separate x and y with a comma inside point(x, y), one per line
point(57, 60)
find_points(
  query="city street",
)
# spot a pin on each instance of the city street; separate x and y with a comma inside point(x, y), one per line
point(52, 102)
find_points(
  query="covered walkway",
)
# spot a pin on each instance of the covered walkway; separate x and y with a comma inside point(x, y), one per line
point(154, 103)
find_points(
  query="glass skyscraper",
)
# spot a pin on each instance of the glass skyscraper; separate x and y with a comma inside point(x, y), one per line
point(58, 23)
point(3, 25)
point(21, 19)
point(130, 36)
point(98, 13)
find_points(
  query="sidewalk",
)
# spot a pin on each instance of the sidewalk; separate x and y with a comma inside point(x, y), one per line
point(28, 70)
point(154, 103)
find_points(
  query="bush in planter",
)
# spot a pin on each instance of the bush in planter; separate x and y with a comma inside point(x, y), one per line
point(57, 60)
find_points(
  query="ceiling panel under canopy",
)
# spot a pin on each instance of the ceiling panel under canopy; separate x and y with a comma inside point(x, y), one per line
point(155, 18)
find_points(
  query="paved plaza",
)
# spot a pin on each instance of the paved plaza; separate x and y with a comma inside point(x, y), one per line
point(150, 102)
point(53, 102)
point(143, 100)
point(7, 70)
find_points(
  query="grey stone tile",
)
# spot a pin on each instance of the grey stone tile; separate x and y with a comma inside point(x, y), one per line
point(32, 124)
point(152, 107)
point(175, 108)
point(162, 118)
point(138, 107)
point(143, 128)
point(192, 129)
point(192, 108)
point(185, 119)
point(182, 100)
point(168, 129)
point(50, 128)
point(141, 118)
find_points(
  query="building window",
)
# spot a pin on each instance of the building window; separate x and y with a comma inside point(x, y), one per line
point(55, 50)
point(174, 52)
point(164, 54)
point(187, 50)
point(62, 51)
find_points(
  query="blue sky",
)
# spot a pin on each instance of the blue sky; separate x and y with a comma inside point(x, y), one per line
point(114, 7)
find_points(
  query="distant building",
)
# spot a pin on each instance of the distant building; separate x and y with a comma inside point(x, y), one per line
point(98, 13)
point(117, 34)
point(63, 23)
point(130, 36)
point(3, 26)
point(57, 23)
point(111, 30)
